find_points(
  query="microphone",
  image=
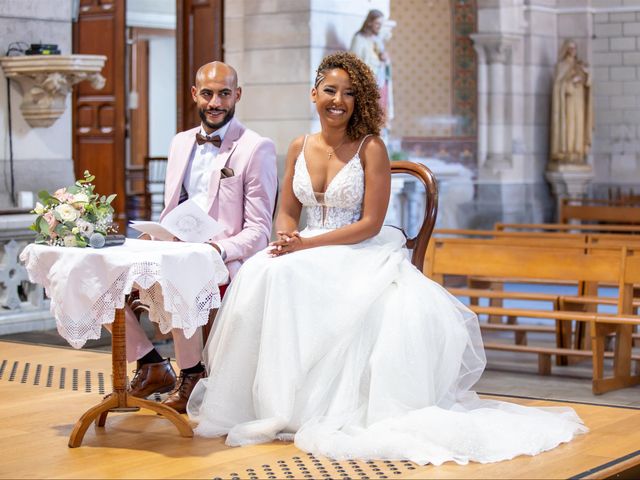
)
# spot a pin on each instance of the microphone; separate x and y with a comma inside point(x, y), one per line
point(97, 240)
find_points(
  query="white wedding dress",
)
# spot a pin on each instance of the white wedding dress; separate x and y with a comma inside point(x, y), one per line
point(352, 352)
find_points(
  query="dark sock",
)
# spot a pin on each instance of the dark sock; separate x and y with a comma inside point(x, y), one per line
point(197, 368)
point(152, 357)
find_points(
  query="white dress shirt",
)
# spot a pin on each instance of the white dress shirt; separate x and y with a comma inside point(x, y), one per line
point(198, 174)
point(201, 163)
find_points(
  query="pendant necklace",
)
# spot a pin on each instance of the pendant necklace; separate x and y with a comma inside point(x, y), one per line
point(334, 150)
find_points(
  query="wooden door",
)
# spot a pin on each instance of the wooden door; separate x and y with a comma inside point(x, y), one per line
point(99, 115)
point(199, 36)
point(138, 86)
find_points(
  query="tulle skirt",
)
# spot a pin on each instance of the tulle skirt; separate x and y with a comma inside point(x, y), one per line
point(351, 352)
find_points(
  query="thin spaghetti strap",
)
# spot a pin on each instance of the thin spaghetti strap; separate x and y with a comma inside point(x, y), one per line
point(361, 143)
point(304, 142)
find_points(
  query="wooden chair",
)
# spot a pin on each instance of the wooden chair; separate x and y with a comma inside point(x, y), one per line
point(135, 192)
point(145, 188)
point(155, 171)
point(418, 244)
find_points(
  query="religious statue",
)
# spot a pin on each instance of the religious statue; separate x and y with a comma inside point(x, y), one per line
point(368, 45)
point(571, 110)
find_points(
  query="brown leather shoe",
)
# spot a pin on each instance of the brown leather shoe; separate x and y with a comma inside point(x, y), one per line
point(151, 378)
point(180, 395)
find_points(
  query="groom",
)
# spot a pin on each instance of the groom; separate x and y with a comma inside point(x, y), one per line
point(230, 171)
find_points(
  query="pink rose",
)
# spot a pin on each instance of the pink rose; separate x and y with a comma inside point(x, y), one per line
point(51, 221)
point(62, 195)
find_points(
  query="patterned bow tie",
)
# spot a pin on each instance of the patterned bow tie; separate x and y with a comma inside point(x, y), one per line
point(201, 139)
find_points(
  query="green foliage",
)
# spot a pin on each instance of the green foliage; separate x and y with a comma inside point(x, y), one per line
point(70, 215)
point(399, 155)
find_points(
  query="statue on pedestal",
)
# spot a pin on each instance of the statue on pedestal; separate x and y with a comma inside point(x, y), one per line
point(571, 111)
point(571, 125)
point(368, 45)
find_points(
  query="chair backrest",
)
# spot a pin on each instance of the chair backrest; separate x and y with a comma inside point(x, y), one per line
point(155, 172)
point(419, 243)
point(135, 188)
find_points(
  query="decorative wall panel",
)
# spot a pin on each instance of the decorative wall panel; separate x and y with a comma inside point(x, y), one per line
point(420, 51)
point(435, 78)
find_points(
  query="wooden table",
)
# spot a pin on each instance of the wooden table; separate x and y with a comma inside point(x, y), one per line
point(148, 266)
point(120, 400)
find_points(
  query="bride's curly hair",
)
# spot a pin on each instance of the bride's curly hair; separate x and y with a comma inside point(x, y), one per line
point(367, 114)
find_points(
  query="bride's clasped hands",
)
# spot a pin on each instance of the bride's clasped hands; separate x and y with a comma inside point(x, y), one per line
point(287, 242)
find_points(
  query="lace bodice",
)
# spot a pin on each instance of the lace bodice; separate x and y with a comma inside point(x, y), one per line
point(341, 203)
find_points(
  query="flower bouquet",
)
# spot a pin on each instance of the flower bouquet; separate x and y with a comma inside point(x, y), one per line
point(72, 215)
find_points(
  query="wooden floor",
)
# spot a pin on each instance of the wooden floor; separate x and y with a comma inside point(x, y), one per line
point(43, 391)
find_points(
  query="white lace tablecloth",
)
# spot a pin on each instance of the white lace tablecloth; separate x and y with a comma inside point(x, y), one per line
point(178, 281)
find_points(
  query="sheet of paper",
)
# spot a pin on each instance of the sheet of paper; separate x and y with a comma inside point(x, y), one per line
point(156, 230)
point(187, 222)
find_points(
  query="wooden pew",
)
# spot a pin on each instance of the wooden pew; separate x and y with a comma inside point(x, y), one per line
point(597, 212)
point(613, 265)
point(567, 228)
point(515, 236)
point(586, 300)
point(563, 330)
point(622, 201)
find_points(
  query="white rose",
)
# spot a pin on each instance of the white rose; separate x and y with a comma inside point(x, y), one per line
point(79, 199)
point(67, 212)
point(39, 208)
point(70, 241)
point(85, 227)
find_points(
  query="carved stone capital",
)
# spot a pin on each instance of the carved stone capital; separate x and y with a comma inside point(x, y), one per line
point(570, 180)
point(494, 48)
point(498, 162)
point(46, 80)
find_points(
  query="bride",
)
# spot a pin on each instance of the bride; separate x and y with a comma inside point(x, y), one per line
point(333, 339)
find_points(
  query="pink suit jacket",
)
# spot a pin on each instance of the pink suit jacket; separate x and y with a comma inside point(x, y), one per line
point(242, 203)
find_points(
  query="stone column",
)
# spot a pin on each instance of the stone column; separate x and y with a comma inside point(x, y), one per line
point(494, 57)
point(516, 45)
point(483, 103)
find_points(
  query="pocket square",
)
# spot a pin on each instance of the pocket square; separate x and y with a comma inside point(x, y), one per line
point(226, 172)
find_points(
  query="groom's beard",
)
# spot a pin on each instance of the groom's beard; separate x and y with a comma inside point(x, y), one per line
point(215, 126)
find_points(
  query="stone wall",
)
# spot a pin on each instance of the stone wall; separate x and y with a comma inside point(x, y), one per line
point(42, 156)
point(616, 60)
point(516, 44)
point(518, 48)
point(276, 47)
